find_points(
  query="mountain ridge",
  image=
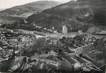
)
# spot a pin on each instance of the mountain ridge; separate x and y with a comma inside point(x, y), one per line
point(74, 14)
point(29, 8)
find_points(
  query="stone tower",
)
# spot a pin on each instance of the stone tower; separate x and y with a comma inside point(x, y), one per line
point(64, 29)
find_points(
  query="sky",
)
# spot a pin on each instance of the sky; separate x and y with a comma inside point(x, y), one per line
point(11, 3)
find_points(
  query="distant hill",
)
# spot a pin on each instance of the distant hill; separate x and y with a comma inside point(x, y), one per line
point(74, 14)
point(14, 17)
point(1, 9)
point(30, 8)
point(10, 20)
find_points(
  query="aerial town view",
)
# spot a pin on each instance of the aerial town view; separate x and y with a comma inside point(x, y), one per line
point(53, 36)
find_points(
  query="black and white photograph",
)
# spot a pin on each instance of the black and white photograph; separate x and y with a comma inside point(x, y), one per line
point(52, 36)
